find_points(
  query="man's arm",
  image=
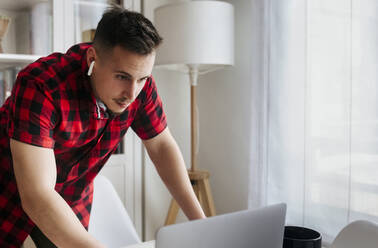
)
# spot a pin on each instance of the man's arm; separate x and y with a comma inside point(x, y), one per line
point(35, 172)
point(167, 158)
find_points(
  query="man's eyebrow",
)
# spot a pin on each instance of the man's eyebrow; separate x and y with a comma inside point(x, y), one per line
point(129, 75)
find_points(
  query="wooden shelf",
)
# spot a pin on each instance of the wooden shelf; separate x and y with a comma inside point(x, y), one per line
point(19, 4)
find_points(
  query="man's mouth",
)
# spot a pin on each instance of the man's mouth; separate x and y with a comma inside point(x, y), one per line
point(122, 104)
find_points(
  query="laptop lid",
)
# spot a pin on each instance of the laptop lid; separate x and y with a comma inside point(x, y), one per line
point(260, 228)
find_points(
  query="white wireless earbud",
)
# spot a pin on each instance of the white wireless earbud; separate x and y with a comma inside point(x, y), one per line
point(90, 68)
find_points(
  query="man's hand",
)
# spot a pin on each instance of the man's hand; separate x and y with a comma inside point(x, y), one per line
point(167, 158)
point(35, 172)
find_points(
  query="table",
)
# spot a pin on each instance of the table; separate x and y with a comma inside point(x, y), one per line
point(148, 244)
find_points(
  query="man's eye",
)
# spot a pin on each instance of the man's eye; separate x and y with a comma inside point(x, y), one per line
point(121, 77)
point(142, 80)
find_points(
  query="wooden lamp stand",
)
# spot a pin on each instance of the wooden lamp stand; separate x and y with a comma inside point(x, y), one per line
point(198, 178)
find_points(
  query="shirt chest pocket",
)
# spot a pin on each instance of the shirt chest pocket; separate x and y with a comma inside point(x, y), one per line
point(72, 134)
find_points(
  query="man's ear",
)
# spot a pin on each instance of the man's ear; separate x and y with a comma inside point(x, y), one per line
point(91, 55)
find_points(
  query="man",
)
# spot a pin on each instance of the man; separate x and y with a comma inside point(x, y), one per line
point(66, 115)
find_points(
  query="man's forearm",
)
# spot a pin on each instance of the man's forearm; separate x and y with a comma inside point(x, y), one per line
point(171, 168)
point(54, 217)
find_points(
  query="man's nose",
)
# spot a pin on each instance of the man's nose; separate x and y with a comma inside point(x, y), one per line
point(130, 91)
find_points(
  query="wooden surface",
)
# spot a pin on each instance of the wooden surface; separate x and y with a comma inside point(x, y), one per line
point(201, 187)
point(193, 127)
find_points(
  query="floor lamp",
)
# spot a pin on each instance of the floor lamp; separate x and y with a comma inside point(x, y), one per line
point(198, 38)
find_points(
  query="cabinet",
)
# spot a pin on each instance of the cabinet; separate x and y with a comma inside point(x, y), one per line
point(39, 27)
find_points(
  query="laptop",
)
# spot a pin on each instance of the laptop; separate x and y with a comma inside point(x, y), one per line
point(261, 228)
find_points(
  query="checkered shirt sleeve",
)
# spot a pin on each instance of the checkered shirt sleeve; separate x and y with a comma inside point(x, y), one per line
point(32, 113)
point(150, 119)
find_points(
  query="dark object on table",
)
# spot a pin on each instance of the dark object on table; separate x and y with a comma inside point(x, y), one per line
point(301, 237)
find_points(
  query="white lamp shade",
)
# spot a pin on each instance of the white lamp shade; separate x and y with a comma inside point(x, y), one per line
point(196, 34)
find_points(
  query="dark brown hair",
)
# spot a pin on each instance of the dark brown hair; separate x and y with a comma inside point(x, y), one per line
point(128, 29)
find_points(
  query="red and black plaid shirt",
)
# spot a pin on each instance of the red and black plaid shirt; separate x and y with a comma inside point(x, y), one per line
point(52, 105)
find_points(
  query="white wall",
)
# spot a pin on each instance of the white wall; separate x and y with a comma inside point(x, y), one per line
point(224, 99)
point(174, 89)
point(224, 111)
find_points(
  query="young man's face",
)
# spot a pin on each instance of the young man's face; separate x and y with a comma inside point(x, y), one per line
point(118, 78)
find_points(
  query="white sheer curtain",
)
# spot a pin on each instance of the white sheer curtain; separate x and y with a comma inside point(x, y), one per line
point(315, 110)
